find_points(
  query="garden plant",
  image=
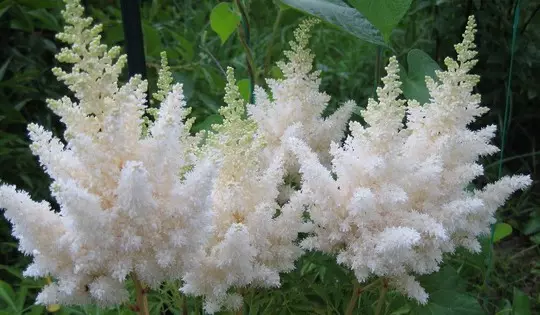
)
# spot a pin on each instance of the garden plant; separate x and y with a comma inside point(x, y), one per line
point(286, 199)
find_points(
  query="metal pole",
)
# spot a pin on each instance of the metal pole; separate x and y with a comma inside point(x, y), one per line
point(131, 21)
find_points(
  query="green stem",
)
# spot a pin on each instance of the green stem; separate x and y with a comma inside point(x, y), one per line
point(382, 297)
point(357, 290)
point(184, 305)
point(275, 29)
point(140, 291)
point(243, 34)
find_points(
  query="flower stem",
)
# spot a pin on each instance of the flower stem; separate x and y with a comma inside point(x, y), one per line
point(382, 297)
point(275, 29)
point(357, 290)
point(140, 291)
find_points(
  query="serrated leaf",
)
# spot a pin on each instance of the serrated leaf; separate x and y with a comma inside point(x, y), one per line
point(384, 14)
point(419, 65)
point(502, 230)
point(224, 20)
point(521, 304)
point(338, 13)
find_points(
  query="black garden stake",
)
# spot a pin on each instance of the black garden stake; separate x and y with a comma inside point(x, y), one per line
point(131, 21)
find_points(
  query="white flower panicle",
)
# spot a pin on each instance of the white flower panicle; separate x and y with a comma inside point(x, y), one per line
point(252, 236)
point(124, 207)
point(400, 198)
point(141, 197)
point(295, 102)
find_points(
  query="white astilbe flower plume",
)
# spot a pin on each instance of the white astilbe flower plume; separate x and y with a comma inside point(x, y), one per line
point(295, 102)
point(399, 200)
point(253, 237)
point(128, 202)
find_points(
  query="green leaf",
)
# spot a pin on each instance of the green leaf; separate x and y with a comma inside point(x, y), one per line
point(419, 65)
point(4, 67)
point(41, 4)
point(535, 238)
point(245, 89)
point(384, 14)
point(183, 46)
point(152, 40)
point(532, 226)
point(47, 21)
point(338, 13)
point(521, 303)
point(13, 271)
point(114, 34)
point(502, 230)
point(447, 295)
point(7, 295)
point(4, 7)
point(224, 20)
point(35, 310)
point(207, 123)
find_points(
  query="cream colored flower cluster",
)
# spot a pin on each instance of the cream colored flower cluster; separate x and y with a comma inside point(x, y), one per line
point(126, 206)
point(396, 199)
point(144, 197)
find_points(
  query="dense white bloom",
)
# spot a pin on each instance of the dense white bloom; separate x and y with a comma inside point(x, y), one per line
point(399, 200)
point(128, 202)
point(295, 102)
point(252, 236)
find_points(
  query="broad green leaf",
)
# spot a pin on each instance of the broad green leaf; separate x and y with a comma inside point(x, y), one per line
point(338, 13)
point(419, 65)
point(521, 304)
point(447, 295)
point(224, 20)
point(384, 14)
point(502, 230)
point(244, 87)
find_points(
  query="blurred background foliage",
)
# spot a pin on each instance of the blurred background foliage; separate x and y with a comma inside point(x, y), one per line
point(350, 67)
